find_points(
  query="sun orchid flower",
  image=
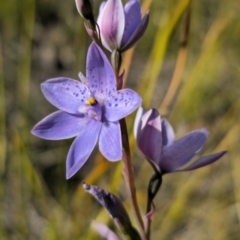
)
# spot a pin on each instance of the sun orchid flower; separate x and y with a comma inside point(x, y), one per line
point(121, 27)
point(88, 110)
point(155, 139)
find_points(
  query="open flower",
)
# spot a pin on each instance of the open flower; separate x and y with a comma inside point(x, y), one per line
point(155, 139)
point(88, 110)
point(120, 27)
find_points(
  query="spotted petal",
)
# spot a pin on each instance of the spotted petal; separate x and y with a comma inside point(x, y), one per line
point(181, 152)
point(203, 161)
point(112, 23)
point(66, 94)
point(132, 12)
point(59, 125)
point(100, 77)
point(120, 104)
point(110, 143)
point(82, 147)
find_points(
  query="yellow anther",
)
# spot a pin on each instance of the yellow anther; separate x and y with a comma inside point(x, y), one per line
point(91, 101)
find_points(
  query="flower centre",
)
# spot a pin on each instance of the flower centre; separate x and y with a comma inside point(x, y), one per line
point(91, 101)
point(93, 109)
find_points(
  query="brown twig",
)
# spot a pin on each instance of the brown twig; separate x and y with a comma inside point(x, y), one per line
point(129, 176)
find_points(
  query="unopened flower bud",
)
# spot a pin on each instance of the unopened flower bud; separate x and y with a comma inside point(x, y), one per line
point(85, 9)
point(115, 208)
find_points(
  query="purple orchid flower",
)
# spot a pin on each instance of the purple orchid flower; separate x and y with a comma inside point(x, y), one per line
point(88, 110)
point(155, 139)
point(120, 27)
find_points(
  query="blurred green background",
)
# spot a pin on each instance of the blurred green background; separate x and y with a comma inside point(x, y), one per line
point(193, 79)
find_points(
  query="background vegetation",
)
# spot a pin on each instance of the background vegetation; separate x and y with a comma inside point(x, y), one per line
point(46, 38)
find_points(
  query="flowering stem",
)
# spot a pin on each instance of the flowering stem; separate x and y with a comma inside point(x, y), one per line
point(153, 187)
point(116, 60)
point(129, 176)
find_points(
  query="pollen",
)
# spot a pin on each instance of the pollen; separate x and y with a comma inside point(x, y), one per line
point(91, 101)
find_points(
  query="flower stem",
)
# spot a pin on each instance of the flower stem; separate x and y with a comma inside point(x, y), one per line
point(153, 187)
point(129, 176)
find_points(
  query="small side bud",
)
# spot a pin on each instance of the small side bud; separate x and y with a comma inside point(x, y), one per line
point(115, 208)
point(85, 9)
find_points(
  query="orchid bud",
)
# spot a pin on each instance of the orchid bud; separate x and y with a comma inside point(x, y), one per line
point(85, 9)
point(126, 26)
point(114, 207)
point(111, 203)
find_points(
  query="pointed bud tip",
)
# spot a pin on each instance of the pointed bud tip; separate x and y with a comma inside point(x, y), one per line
point(86, 186)
point(85, 9)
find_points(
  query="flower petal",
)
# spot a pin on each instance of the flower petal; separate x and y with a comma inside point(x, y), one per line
point(140, 30)
point(167, 133)
point(120, 104)
point(203, 161)
point(59, 125)
point(137, 122)
point(100, 77)
point(149, 138)
point(65, 93)
point(104, 231)
point(111, 23)
point(110, 143)
point(133, 16)
point(181, 152)
point(82, 147)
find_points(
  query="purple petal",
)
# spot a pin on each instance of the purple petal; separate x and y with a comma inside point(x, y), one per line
point(149, 138)
point(65, 93)
point(111, 22)
point(101, 7)
point(181, 152)
point(203, 161)
point(82, 78)
point(59, 125)
point(120, 104)
point(104, 231)
point(82, 147)
point(110, 143)
point(140, 30)
point(100, 76)
point(167, 133)
point(133, 17)
point(137, 122)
